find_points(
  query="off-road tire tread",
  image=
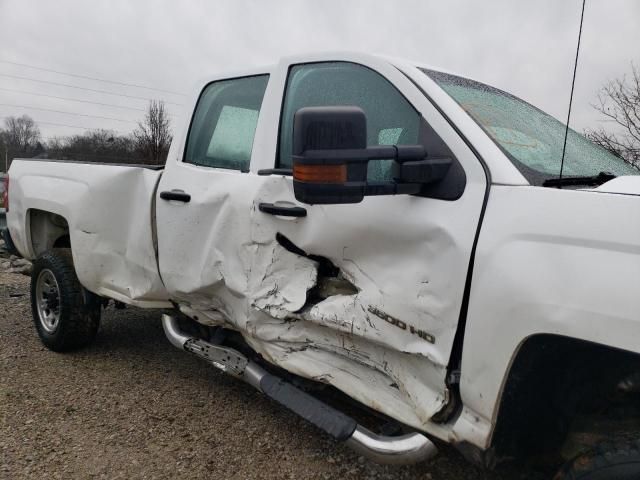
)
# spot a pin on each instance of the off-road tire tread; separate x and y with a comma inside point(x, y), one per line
point(600, 462)
point(79, 318)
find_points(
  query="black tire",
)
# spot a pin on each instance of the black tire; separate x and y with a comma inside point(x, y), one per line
point(73, 314)
point(611, 460)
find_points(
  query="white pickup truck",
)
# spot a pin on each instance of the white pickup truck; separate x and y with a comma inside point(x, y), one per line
point(394, 231)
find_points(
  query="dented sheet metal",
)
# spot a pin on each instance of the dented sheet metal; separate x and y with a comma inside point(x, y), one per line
point(369, 307)
point(109, 215)
point(365, 297)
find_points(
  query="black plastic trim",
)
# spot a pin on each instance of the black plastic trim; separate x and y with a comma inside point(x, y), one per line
point(275, 171)
point(176, 196)
point(272, 209)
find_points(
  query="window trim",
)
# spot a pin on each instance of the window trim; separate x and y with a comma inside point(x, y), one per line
point(276, 162)
point(195, 109)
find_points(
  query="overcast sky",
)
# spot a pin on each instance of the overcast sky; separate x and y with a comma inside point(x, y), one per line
point(526, 47)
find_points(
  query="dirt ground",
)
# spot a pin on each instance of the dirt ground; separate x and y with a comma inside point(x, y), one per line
point(132, 406)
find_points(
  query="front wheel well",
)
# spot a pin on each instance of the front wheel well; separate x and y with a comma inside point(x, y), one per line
point(553, 384)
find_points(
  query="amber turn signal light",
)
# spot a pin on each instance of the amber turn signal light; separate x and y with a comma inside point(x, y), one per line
point(320, 173)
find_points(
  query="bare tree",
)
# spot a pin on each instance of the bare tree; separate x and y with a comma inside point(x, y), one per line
point(619, 102)
point(21, 132)
point(153, 135)
point(21, 137)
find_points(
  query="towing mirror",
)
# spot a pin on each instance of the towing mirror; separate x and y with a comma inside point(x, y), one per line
point(330, 159)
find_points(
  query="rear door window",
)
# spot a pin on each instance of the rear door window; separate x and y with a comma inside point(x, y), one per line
point(224, 123)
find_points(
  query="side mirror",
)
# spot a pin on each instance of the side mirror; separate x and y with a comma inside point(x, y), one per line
point(330, 159)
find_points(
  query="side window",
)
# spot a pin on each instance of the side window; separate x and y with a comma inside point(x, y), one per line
point(224, 123)
point(391, 119)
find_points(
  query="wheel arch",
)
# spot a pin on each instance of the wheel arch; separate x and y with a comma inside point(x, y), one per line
point(46, 230)
point(553, 380)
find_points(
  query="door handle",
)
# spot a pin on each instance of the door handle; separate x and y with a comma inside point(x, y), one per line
point(272, 209)
point(177, 195)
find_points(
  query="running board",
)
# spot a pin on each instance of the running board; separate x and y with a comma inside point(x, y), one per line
point(405, 449)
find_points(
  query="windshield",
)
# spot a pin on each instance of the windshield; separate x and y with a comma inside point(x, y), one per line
point(532, 139)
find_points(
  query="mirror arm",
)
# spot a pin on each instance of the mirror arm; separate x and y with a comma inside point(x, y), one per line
point(399, 153)
point(391, 188)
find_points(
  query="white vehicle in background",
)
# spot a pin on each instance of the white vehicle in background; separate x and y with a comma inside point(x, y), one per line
point(396, 232)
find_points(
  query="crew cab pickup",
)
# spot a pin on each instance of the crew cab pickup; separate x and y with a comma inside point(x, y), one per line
point(398, 232)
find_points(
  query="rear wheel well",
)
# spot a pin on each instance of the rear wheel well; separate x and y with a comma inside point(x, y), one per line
point(63, 242)
point(47, 230)
point(553, 385)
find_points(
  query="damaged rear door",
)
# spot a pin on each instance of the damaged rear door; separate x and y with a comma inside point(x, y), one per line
point(204, 202)
point(364, 296)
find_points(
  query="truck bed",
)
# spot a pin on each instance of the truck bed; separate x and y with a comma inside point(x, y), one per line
point(105, 211)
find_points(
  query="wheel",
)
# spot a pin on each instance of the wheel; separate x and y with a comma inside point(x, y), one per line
point(66, 315)
point(612, 460)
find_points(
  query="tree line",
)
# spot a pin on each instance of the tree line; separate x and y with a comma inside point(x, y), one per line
point(148, 143)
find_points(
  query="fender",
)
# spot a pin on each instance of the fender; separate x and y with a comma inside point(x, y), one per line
point(566, 274)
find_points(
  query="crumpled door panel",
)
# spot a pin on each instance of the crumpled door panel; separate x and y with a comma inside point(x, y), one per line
point(385, 343)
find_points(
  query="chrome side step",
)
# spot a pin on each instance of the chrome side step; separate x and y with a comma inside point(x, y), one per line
point(405, 449)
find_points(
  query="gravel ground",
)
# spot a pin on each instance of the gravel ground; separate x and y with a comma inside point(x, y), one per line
point(132, 406)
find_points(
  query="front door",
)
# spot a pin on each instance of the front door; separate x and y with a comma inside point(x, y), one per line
point(367, 296)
